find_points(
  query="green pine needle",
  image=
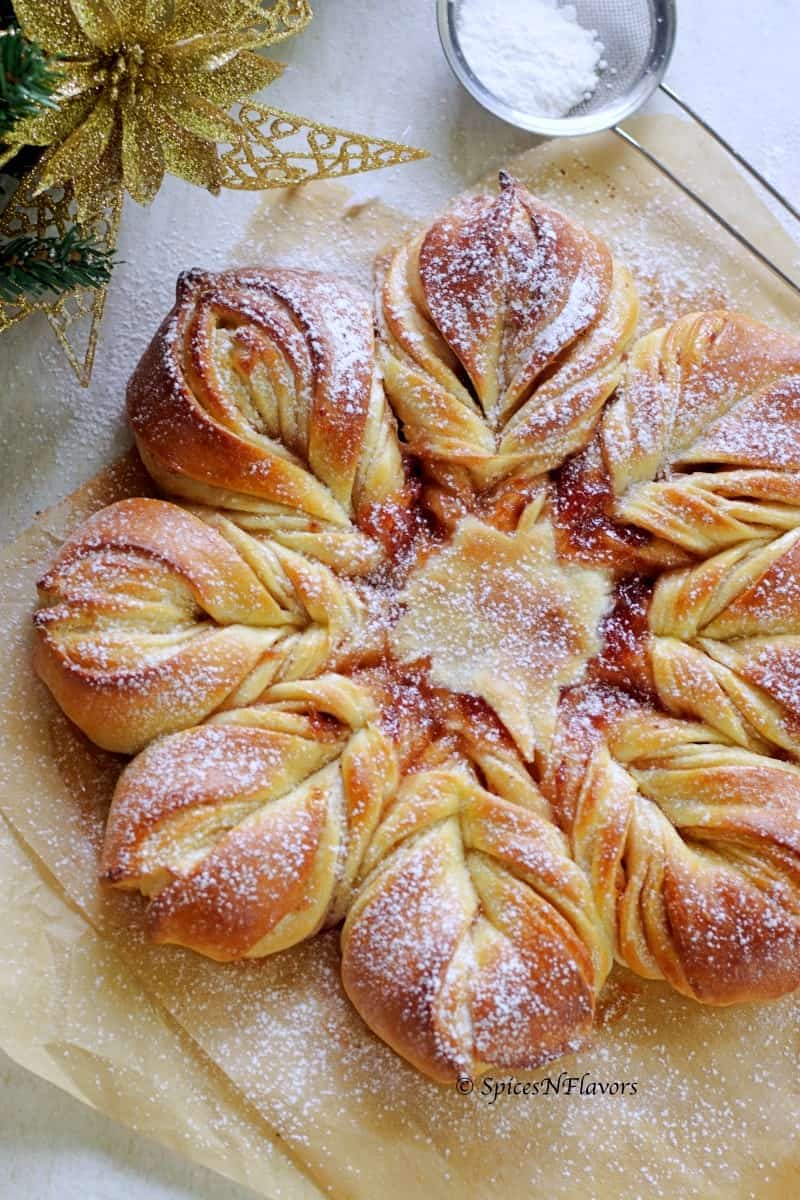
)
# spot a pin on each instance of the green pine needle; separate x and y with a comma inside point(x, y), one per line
point(35, 266)
point(31, 266)
point(27, 78)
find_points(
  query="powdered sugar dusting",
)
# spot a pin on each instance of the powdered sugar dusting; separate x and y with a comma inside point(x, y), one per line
point(533, 54)
point(240, 1015)
point(495, 616)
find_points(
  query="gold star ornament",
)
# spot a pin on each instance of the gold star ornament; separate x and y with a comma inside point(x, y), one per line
point(150, 87)
point(147, 88)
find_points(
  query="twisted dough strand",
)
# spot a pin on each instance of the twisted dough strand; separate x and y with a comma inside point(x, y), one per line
point(691, 844)
point(502, 329)
point(151, 620)
point(726, 644)
point(699, 449)
point(258, 395)
point(247, 832)
point(473, 940)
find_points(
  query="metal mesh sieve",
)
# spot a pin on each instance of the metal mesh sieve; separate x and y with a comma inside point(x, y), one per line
point(638, 36)
point(633, 41)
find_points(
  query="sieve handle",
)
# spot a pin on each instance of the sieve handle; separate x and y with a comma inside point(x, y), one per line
point(734, 153)
point(707, 208)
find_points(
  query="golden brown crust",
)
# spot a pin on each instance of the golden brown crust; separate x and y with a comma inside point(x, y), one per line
point(529, 307)
point(691, 844)
point(725, 642)
point(699, 449)
point(473, 940)
point(258, 395)
point(247, 832)
point(151, 620)
point(374, 751)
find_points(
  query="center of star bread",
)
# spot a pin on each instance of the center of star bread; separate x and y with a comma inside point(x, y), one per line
point(497, 615)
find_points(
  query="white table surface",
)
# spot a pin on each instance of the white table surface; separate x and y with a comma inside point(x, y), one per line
point(372, 65)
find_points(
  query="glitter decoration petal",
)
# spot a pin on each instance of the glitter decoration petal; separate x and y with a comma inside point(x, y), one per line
point(184, 64)
point(74, 316)
point(277, 149)
point(146, 90)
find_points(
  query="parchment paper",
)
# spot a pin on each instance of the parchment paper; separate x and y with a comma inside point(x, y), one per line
point(312, 1100)
point(74, 1014)
point(71, 1010)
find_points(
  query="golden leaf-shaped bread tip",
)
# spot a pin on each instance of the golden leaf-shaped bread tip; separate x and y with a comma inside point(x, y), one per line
point(259, 395)
point(502, 330)
point(472, 941)
point(691, 843)
point(246, 833)
point(151, 619)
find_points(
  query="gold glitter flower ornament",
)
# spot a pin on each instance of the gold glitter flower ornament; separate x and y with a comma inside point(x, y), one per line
point(150, 87)
point(146, 88)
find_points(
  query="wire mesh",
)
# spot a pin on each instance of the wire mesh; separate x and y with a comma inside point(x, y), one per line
point(637, 36)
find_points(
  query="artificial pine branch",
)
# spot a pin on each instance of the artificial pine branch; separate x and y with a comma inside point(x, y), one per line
point(31, 266)
point(27, 78)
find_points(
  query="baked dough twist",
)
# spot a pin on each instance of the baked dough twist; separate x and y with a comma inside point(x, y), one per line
point(259, 396)
point(726, 642)
point(247, 832)
point(473, 941)
point(699, 449)
point(691, 845)
point(152, 619)
point(502, 328)
point(620, 776)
